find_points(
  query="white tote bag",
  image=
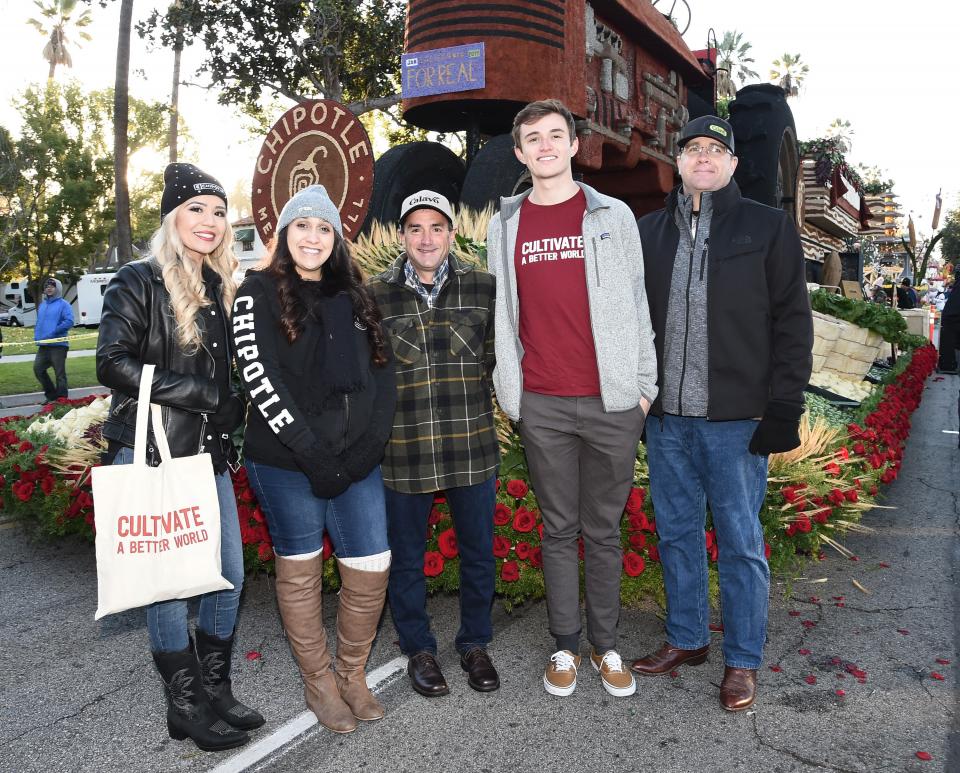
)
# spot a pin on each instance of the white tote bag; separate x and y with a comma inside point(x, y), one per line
point(158, 528)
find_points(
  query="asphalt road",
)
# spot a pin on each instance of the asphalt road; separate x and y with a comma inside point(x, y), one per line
point(79, 695)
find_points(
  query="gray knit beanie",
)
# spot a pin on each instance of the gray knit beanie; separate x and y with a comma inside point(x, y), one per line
point(312, 201)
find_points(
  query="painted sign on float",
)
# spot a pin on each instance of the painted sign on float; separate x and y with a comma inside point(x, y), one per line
point(317, 141)
point(443, 70)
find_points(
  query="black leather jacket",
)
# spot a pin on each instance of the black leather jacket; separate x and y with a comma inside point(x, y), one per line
point(137, 326)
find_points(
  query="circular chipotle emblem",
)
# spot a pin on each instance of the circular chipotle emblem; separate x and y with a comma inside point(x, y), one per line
point(317, 141)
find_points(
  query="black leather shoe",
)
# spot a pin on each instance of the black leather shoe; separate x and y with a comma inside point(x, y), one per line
point(426, 676)
point(481, 675)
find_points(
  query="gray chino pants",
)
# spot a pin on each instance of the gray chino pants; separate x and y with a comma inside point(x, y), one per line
point(581, 463)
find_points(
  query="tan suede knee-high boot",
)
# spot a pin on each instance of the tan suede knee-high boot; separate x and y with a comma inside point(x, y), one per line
point(361, 602)
point(299, 585)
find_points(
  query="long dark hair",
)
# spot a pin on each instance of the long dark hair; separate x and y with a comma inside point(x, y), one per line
point(338, 274)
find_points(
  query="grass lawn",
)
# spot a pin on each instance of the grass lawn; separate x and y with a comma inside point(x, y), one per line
point(14, 336)
point(17, 377)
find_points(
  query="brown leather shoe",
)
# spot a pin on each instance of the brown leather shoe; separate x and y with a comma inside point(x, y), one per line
point(668, 658)
point(738, 689)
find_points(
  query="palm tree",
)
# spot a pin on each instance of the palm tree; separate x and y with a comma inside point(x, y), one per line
point(59, 14)
point(733, 58)
point(120, 124)
point(789, 72)
point(843, 132)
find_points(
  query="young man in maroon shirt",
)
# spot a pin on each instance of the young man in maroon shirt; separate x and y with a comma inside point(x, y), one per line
point(576, 368)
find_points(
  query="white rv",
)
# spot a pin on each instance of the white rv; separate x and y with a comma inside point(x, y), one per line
point(89, 305)
point(246, 246)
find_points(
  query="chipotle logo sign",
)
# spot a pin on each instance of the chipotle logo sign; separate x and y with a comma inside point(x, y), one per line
point(318, 141)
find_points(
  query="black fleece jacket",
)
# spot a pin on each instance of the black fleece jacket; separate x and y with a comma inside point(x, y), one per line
point(759, 324)
point(290, 418)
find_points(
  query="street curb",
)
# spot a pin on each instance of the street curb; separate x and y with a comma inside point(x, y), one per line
point(38, 398)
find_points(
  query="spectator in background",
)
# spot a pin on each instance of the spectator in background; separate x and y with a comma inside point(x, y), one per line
point(54, 319)
point(906, 296)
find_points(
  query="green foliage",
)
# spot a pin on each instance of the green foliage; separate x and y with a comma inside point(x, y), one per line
point(17, 377)
point(57, 179)
point(337, 49)
point(950, 239)
point(877, 317)
point(733, 55)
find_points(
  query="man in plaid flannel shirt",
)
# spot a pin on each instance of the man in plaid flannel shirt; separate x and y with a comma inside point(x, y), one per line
point(439, 314)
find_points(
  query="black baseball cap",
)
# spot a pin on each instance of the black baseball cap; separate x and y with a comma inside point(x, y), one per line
point(707, 126)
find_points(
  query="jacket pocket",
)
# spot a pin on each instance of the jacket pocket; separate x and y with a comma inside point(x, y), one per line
point(467, 333)
point(405, 339)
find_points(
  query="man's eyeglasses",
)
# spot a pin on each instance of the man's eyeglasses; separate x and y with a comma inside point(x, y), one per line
point(693, 149)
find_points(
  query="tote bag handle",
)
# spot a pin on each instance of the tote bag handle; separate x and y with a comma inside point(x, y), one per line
point(145, 410)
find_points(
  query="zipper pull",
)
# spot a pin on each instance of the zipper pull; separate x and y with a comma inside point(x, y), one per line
point(703, 257)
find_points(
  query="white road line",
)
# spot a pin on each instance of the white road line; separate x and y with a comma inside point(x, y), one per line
point(297, 726)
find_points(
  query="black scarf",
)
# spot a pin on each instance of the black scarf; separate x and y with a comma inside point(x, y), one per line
point(341, 366)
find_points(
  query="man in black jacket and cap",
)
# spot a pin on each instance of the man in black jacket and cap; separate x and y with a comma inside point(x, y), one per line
point(729, 306)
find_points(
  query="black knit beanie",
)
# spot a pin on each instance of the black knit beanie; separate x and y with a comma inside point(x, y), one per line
point(182, 182)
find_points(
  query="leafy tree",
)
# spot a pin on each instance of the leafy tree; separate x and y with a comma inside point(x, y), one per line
point(60, 18)
point(335, 49)
point(57, 179)
point(733, 56)
point(789, 72)
point(950, 240)
point(919, 255)
point(843, 132)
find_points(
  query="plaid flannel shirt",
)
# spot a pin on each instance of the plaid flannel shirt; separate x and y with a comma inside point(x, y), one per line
point(443, 429)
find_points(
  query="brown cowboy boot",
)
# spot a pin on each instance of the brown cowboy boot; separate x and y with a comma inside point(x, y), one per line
point(361, 601)
point(299, 595)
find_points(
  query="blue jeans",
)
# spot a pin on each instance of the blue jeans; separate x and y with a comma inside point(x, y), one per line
point(296, 519)
point(472, 510)
point(694, 461)
point(167, 620)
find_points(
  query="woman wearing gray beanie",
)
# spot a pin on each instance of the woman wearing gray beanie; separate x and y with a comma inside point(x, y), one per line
point(319, 373)
point(172, 310)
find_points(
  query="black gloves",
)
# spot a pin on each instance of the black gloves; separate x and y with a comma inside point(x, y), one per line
point(229, 415)
point(778, 430)
point(360, 458)
point(326, 473)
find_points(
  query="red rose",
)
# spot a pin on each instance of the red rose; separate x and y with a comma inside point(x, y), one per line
point(501, 546)
point(517, 488)
point(710, 538)
point(497, 486)
point(436, 515)
point(536, 558)
point(432, 563)
point(540, 531)
point(510, 571)
point(22, 491)
point(638, 540)
point(832, 469)
point(653, 552)
point(803, 524)
point(580, 548)
point(852, 495)
point(26, 445)
point(47, 483)
point(523, 520)
point(633, 564)
point(635, 501)
point(502, 514)
point(265, 552)
point(439, 498)
point(447, 543)
point(327, 546)
point(822, 515)
point(766, 550)
point(522, 549)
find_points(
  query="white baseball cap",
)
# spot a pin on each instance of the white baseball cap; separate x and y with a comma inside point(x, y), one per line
point(426, 200)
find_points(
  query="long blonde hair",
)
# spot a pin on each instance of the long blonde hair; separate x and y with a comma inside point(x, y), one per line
point(183, 278)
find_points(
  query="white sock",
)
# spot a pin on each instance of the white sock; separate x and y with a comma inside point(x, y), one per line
point(376, 563)
point(302, 556)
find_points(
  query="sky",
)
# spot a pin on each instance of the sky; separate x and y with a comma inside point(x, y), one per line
point(885, 66)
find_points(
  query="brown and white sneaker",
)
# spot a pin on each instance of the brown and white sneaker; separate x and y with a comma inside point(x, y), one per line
point(560, 676)
point(617, 680)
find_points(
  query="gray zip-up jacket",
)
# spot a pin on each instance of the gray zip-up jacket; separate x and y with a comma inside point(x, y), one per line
point(622, 333)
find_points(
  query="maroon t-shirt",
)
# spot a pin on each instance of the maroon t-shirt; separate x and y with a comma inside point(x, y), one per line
point(559, 355)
